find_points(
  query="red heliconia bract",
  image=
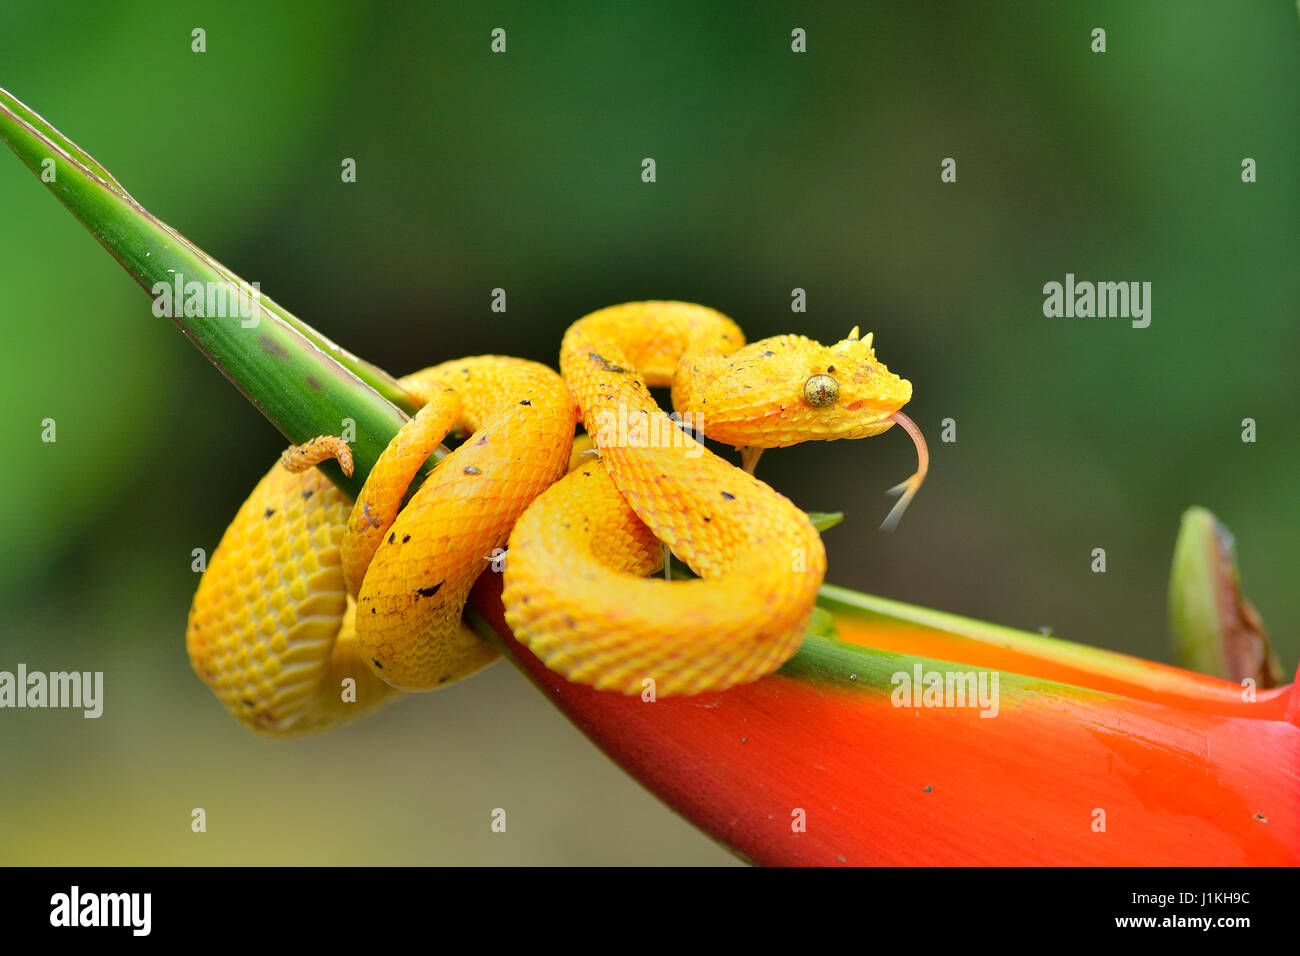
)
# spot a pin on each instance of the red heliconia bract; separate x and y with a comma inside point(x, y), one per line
point(1084, 757)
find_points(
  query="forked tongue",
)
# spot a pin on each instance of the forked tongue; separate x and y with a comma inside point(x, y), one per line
point(911, 486)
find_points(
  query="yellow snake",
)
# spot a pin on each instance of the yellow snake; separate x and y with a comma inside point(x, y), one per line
point(314, 610)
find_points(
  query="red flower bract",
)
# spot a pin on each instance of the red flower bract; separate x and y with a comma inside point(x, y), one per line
point(1131, 763)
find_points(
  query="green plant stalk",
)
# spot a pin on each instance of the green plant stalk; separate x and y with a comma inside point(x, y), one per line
point(1215, 630)
point(301, 381)
point(372, 375)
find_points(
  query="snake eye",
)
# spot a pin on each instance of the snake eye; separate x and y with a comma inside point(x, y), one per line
point(820, 391)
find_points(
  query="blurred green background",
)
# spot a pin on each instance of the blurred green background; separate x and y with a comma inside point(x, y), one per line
point(522, 171)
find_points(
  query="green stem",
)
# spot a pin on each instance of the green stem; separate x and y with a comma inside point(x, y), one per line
point(301, 381)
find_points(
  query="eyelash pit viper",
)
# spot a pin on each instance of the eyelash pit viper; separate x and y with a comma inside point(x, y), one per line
point(314, 610)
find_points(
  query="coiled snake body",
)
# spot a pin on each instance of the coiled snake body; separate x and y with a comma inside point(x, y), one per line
point(314, 611)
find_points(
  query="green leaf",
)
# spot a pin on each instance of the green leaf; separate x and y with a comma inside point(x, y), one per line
point(823, 520)
point(1215, 629)
point(301, 381)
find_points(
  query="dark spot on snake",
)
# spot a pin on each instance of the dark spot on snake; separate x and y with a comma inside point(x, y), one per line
point(269, 512)
point(375, 661)
point(482, 441)
point(405, 538)
point(707, 518)
point(391, 537)
point(247, 702)
point(729, 496)
point(525, 402)
point(829, 369)
point(313, 383)
point(605, 363)
point(472, 470)
point(307, 494)
point(430, 592)
point(444, 678)
point(586, 474)
point(767, 353)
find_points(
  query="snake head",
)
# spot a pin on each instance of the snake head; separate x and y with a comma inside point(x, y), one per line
point(789, 389)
